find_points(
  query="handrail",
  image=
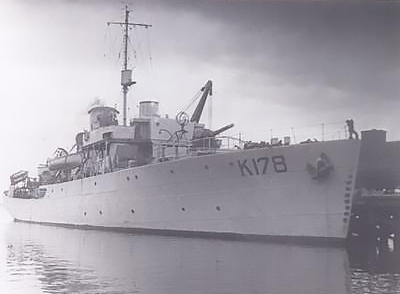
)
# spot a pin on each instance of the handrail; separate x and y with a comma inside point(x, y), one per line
point(211, 144)
point(206, 145)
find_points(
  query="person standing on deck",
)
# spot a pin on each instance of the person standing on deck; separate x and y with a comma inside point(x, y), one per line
point(350, 126)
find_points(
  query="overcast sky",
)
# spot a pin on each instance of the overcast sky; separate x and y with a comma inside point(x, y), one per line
point(275, 65)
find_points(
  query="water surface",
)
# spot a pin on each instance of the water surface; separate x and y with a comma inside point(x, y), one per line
point(44, 259)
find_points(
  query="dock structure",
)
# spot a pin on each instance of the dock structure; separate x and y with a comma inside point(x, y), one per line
point(376, 217)
point(376, 204)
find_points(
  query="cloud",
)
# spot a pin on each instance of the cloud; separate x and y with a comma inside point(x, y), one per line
point(350, 46)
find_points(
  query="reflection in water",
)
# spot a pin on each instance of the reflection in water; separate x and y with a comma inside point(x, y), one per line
point(42, 259)
point(375, 266)
point(55, 275)
point(59, 260)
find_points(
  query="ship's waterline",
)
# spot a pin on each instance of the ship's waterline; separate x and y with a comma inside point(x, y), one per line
point(261, 192)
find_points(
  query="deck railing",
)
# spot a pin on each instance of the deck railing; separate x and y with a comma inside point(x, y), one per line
point(164, 151)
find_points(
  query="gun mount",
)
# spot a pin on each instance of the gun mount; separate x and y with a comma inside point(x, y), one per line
point(205, 138)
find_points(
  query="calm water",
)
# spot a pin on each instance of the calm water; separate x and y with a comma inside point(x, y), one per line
point(41, 259)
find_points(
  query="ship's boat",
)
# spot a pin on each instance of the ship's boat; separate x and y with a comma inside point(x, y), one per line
point(174, 175)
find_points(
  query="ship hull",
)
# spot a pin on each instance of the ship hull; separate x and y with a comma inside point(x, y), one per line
point(257, 192)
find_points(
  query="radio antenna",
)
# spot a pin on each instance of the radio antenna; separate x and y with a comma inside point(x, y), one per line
point(126, 74)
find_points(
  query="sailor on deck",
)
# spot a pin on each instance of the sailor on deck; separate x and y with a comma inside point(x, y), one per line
point(350, 126)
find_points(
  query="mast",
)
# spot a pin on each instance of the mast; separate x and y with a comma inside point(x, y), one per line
point(126, 74)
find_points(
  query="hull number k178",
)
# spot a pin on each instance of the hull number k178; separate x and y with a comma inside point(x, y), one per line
point(259, 166)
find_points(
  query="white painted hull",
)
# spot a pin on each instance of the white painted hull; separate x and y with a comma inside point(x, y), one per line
point(211, 194)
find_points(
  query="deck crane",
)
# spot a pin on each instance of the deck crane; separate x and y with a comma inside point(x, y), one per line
point(204, 137)
point(207, 90)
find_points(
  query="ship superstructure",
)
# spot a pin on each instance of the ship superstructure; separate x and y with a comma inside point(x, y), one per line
point(174, 175)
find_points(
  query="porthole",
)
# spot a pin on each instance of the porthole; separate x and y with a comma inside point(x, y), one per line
point(206, 167)
point(132, 211)
point(84, 213)
point(136, 177)
point(100, 212)
point(171, 171)
point(347, 201)
point(128, 179)
point(218, 208)
point(183, 208)
point(95, 183)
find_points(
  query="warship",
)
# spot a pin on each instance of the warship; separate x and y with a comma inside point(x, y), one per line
point(174, 175)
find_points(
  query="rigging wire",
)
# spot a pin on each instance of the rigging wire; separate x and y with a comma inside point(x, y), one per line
point(140, 52)
point(149, 47)
point(193, 100)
